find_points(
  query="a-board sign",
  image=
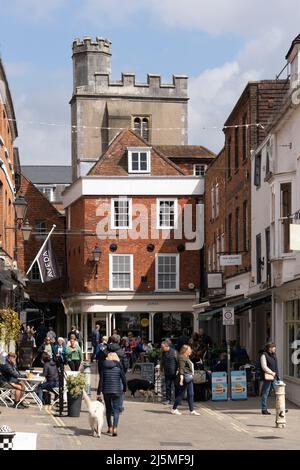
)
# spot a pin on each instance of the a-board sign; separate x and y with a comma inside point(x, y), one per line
point(147, 371)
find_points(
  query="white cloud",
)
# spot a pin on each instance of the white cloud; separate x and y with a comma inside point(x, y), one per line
point(40, 143)
point(215, 91)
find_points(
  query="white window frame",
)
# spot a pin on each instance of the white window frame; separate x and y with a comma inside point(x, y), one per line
point(209, 259)
point(218, 253)
point(176, 255)
point(217, 200)
point(158, 201)
point(44, 188)
point(111, 288)
point(202, 171)
point(214, 256)
point(139, 150)
point(112, 213)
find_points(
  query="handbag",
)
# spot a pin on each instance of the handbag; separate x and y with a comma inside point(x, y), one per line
point(199, 377)
point(268, 376)
point(188, 378)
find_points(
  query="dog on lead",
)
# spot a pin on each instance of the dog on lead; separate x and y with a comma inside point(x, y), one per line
point(144, 387)
point(96, 414)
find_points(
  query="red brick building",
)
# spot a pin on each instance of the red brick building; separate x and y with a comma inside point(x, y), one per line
point(228, 194)
point(139, 208)
point(45, 299)
point(8, 134)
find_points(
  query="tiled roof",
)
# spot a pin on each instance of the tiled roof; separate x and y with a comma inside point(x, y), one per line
point(295, 41)
point(48, 174)
point(185, 151)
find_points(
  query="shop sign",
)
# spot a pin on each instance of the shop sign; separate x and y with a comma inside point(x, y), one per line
point(228, 316)
point(144, 322)
point(230, 260)
point(219, 386)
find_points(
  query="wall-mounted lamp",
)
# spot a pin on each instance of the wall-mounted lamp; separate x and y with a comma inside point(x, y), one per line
point(96, 258)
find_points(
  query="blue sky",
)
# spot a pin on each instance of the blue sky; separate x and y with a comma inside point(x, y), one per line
point(219, 45)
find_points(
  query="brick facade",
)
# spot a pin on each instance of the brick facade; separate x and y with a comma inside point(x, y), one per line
point(214, 226)
point(79, 248)
point(257, 104)
point(39, 208)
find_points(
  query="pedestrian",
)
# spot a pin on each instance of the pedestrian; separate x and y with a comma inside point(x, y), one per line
point(205, 343)
point(112, 384)
point(269, 366)
point(80, 337)
point(50, 373)
point(96, 336)
point(74, 354)
point(183, 339)
point(60, 349)
point(114, 346)
point(186, 374)
point(52, 335)
point(169, 365)
point(102, 353)
point(73, 331)
point(41, 334)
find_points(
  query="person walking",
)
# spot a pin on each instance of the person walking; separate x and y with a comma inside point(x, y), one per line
point(112, 384)
point(186, 374)
point(95, 341)
point(168, 365)
point(269, 366)
point(74, 354)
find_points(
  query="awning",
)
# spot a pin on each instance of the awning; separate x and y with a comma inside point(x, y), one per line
point(239, 306)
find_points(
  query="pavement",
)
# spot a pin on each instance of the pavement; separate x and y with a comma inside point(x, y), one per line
point(230, 425)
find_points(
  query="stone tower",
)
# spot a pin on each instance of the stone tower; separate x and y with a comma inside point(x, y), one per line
point(102, 107)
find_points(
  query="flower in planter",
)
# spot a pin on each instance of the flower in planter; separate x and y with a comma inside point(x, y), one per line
point(75, 384)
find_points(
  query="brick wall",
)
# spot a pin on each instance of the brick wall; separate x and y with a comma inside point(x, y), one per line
point(39, 208)
point(7, 237)
point(79, 249)
point(214, 227)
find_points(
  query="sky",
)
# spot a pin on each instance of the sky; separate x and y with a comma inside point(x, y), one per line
point(220, 45)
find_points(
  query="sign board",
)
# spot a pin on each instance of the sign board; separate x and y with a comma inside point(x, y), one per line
point(230, 260)
point(147, 371)
point(238, 385)
point(214, 280)
point(219, 386)
point(295, 237)
point(228, 316)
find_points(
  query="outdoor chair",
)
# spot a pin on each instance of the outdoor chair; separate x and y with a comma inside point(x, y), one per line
point(5, 394)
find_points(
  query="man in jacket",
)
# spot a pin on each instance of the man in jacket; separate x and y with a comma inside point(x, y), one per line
point(95, 341)
point(169, 365)
point(50, 372)
point(11, 375)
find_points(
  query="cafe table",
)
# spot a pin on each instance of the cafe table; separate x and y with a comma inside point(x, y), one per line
point(31, 384)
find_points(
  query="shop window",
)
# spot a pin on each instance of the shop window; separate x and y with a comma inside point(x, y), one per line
point(292, 330)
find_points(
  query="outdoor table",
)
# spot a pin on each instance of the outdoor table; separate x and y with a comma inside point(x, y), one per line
point(31, 385)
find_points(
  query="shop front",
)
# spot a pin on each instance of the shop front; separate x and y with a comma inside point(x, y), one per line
point(151, 317)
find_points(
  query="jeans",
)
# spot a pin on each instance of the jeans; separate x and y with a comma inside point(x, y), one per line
point(113, 405)
point(266, 388)
point(190, 395)
point(74, 364)
point(45, 386)
point(169, 380)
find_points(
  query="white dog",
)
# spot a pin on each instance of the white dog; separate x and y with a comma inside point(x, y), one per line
point(96, 414)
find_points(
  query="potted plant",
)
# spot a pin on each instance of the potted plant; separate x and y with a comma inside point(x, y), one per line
point(154, 355)
point(9, 328)
point(75, 387)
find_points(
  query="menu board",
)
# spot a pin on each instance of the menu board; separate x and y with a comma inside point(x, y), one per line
point(238, 385)
point(147, 371)
point(219, 386)
point(25, 355)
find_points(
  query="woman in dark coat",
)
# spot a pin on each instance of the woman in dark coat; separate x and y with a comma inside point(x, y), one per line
point(112, 384)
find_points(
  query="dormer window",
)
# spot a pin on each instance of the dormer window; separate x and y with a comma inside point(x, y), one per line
point(139, 160)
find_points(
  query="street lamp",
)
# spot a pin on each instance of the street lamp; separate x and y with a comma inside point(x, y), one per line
point(26, 230)
point(96, 257)
point(20, 207)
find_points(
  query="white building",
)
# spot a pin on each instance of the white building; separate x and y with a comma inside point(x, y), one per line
point(275, 200)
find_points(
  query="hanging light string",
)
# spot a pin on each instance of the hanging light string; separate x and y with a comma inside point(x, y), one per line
point(75, 127)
